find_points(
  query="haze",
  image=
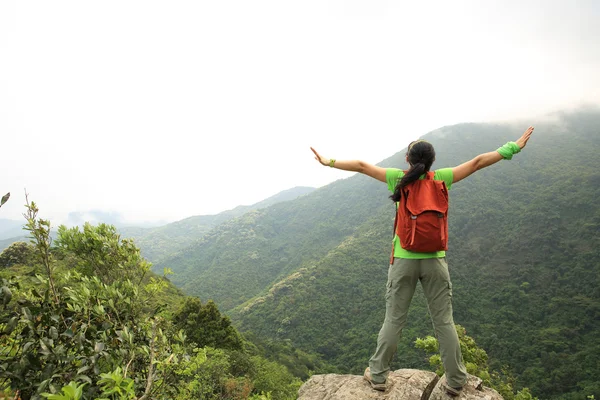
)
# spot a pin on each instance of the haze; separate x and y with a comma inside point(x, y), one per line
point(152, 111)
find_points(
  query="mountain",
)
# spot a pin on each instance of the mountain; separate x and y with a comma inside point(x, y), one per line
point(155, 243)
point(11, 228)
point(4, 243)
point(524, 259)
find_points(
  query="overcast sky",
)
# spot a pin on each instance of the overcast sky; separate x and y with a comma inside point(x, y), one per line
point(160, 110)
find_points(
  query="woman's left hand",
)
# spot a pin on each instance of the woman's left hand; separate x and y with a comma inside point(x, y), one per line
point(322, 160)
point(522, 141)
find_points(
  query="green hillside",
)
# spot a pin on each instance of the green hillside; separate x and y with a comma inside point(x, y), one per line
point(239, 259)
point(524, 258)
point(157, 242)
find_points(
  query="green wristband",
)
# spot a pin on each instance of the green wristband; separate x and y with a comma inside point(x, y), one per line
point(331, 162)
point(508, 150)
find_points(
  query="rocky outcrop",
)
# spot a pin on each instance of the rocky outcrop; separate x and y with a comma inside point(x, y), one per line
point(403, 384)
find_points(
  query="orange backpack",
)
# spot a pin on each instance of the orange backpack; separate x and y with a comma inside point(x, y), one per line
point(422, 216)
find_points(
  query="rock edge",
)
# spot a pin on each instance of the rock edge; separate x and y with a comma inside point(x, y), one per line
point(403, 384)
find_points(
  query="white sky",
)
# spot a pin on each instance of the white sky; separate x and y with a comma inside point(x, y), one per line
point(159, 110)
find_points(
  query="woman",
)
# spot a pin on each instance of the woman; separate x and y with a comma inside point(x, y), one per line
point(431, 269)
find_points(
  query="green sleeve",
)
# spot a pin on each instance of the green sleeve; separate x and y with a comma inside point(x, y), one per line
point(391, 176)
point(446, 175)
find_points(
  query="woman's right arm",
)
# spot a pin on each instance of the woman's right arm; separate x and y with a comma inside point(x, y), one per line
point(353, 165)
point(485, 159)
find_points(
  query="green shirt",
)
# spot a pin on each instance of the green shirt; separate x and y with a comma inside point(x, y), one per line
point(392, 176)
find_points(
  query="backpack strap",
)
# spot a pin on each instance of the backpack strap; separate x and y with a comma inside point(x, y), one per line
point(394, 233)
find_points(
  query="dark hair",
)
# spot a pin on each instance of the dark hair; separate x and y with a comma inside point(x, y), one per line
point(420, 155)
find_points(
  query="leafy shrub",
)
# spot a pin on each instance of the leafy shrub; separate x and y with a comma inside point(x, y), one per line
point(91, 327)
point(476, 362)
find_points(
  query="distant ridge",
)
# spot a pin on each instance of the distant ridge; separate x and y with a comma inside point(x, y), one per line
point(157, 242)
point(10, 228)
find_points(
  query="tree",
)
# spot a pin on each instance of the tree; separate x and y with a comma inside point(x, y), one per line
point(205, 326)
point(99, 250)
point(17, 253)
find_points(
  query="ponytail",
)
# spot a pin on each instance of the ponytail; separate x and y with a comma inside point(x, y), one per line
point(420, 156)
point(413, 174)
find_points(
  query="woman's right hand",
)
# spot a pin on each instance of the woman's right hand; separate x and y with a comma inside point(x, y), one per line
point(322, 160)
point(352, 165)
point(522, 141)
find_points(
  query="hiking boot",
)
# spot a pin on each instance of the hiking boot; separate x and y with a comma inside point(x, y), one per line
point(452, 391)
point(374, 385)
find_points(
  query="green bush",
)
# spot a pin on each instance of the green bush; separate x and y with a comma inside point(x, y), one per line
point(92, 327)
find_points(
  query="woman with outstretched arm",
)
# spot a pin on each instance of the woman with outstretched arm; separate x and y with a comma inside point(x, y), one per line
point(407, 267)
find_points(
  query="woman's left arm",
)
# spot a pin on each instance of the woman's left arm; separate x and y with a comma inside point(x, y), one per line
point(352, 165)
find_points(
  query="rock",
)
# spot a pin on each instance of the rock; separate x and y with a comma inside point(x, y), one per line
point(473, 390)
point(403, 384)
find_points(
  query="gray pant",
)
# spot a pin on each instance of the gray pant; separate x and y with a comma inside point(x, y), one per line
point(402, 282)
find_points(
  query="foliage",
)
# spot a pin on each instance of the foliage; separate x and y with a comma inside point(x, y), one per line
point(73, 334)
point(18, 253)
point(72, 391)
point(300, 363)
point(204, 325)
point(39, 230)
point(99, 250)
point(116, 385)
point(225, 374)
point(476, 362)
point(271, 378)
point(93, 327)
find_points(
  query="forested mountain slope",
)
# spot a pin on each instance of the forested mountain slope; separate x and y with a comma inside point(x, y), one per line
point(524, 258)
point(242, 257)
point(157, 242)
